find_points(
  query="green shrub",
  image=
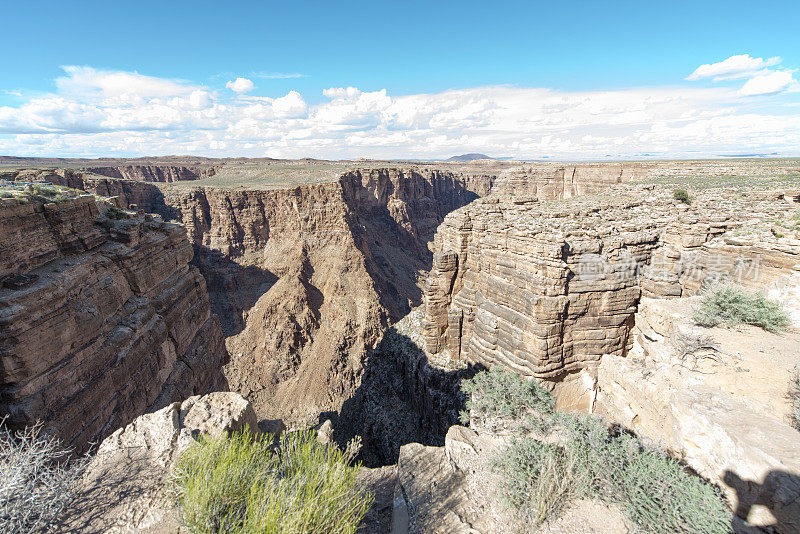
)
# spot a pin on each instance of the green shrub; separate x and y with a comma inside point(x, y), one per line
point(681, 195)
point(730, 306)
point(115, 213)
point(658, 495)
point(504, 394)
point(794, 398)
point(539, 479)
point(245, 484)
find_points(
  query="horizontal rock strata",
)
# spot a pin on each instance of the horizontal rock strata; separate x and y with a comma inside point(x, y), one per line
point(110, 321)
point(545, 288)
point(538, 289)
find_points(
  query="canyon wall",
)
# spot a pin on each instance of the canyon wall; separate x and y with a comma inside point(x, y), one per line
point(543, 288)
point(153, 173)
point(556, 181)
point(101, 319)
point(306, 279)
point(539, 288)
point(298, 306)
point(596, 295)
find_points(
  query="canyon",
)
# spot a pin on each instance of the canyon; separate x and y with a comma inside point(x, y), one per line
point(364, 292)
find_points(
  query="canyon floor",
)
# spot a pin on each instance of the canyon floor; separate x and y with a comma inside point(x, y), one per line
point(363, 292)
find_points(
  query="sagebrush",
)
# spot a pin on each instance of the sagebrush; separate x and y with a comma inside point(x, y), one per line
point(498, 393)
point(38, 480)
point(730, 305)
point(591, 460)
point(681, 195)
point(246, 484)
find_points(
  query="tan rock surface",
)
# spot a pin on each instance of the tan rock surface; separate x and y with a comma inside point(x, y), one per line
point(724, 411)
point(110, 326)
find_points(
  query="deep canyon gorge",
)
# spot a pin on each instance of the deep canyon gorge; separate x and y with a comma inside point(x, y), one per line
point(363, 292)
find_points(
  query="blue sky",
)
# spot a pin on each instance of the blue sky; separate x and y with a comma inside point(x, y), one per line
point(564, 80)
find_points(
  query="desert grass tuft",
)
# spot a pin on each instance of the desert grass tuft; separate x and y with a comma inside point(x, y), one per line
point(794, 398)
point(246, 484)
point(498, 393)
point(729, 305)
point(591, 460)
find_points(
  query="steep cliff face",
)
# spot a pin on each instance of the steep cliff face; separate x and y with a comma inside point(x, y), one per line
point(152, 173)
point(393, 215)
point(100, 319)
point(128, 193)
point(556, 182)
point(298, 305)
point(541, 289)
point(553, 290)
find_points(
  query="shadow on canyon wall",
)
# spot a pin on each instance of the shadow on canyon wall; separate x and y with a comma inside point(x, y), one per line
point(393, 219)
point(402, 399)
point(233, 289)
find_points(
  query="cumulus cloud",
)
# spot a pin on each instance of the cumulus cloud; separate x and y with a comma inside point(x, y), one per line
point(240, 85)
point(734, 68)
point(97, 112)
point(769, 83)
point(291, 105)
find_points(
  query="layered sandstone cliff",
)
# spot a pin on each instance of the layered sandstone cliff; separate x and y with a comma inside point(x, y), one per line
point(539, 288)
point(153, 173)
point(100, 319)
point(544, 288)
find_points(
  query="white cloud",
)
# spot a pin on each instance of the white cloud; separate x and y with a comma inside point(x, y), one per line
point(95, 113)
point(769, 83)
point(291, 105)
point(733, 68)
point(240, 85)
point(85, 82)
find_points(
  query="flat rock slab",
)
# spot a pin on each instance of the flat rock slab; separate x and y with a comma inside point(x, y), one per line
point(451, 489)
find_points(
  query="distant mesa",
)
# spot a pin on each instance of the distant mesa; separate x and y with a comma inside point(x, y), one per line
point(469, 157)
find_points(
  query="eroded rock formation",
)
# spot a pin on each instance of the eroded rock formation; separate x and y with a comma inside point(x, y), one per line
point(306, 279)
point(153, 173)
point(100, 319)
point(716, 398)
point(539, 288)
point(554, 291)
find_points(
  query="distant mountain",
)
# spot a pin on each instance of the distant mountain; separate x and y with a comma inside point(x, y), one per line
point(469, 157)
